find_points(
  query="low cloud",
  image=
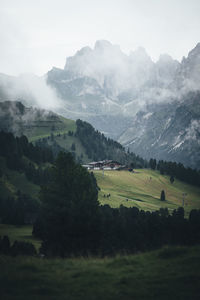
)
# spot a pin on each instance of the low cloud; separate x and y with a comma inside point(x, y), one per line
point(31, 90)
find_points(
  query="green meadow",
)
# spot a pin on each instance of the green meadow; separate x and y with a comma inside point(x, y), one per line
point(142, 189)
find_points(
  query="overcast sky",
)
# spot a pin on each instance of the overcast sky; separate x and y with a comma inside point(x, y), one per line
point(38, 34)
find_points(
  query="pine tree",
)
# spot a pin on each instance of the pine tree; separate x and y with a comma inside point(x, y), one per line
point(162, 196)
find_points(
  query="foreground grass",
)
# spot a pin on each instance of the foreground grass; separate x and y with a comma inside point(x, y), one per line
point(169, 273)
point(143, 192)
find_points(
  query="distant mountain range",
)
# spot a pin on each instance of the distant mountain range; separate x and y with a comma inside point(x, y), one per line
point(150, 107)
point(106, 81)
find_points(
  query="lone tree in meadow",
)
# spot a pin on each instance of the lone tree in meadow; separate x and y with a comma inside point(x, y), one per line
point(162, 196)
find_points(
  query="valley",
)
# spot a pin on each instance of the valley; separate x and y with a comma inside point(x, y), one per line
point(99, 150)
point(45, 129)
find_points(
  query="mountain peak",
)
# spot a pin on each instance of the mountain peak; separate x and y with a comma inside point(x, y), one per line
point(84, 50)
point(195, 51)
point(165, 58)
point(102, 44)
point(140, 55)
point(140, 51)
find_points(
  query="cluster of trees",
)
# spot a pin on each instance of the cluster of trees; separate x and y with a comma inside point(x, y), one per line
point(18, 247)
point(68, 218)
point(14, 148)
point(37, 175)
point(19, 210)
point(128, 230)
point(22, 156)
point(71, 221)
point(176, 170)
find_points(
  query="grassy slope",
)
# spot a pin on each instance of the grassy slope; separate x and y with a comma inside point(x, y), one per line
point(61, 126)
point(67, 143)
point(143, 192)
point(170, 273)
point(14, 181)
point(44, 129)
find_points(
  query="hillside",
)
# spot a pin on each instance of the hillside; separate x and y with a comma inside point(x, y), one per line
point(42, 126)
point(24, 167)
point(12, 181)
point(169, 273)
point(143, 188)
point(35, 123)
point(47, 129)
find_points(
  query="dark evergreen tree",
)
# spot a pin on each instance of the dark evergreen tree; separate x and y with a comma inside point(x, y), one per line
point(69, 211)
point(162, 196)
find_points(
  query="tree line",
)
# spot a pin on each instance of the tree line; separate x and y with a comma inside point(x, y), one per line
point(21, 155)
point(14, 148)
point(176, 170)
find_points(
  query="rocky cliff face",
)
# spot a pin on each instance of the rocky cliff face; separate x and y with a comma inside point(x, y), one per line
point(187, 77)
point(167, 131)
point(104, 79)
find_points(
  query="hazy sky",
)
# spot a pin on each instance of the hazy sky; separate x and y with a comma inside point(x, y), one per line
point(38, 34)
